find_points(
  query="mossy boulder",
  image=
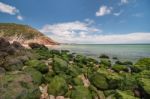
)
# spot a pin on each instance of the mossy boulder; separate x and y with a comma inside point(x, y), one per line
point(113, 78)
point(103, 56)
point(36, 75)
point(77, 81)
point(128, 63)
point(142, 64)
point(18, 85)
point(119, 68)
point(11, 63)
point(80, 59)
point(124, 95)
point(105, 63)
point(80, 92)
point(48, 76)
point(144, 74)
point(145, 86)
point(59, 65)
point(73, 70)
point(99, 81)
point(57, 86)
point(38, 65)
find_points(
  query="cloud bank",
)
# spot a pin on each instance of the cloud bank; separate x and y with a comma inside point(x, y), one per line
point(8, 9)
point(84, 32)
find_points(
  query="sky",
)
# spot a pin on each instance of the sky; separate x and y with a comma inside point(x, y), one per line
point(83, 21)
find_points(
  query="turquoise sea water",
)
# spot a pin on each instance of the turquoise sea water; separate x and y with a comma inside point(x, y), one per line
point(122, 51)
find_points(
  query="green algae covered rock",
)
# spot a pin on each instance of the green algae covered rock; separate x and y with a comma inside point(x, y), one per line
point(57, 86)
point(145, 84)
point(124, 95)
point(38, 65)
point(119, 68)
point(104, 56)
point(36, 75)
point(106, 63)
point(99, 81)
point(59, 65)
point(113, 78)
point(77, 81)
point(142, 64)
point(18, 85)
point(73, 70)
point(80, 92)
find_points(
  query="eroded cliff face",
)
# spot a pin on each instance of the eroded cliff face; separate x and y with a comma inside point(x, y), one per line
point(24, 34)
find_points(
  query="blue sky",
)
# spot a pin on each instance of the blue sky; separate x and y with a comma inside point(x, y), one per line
point(83, 21)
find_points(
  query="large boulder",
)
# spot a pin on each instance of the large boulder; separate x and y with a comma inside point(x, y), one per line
point(36, 75)
point(80, 92)
point(57, 86)
point(142, 64)
point(37, 64)
point(3, 44)
point(59, 65)
point(36, 45)
point(99, 81)
point(145, 87)
point(106, 63)
point(17, 45)
point(124, 95)
point(119, 68)
point(18, 85)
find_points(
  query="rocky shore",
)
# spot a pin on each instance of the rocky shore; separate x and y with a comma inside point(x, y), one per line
point(42, 73)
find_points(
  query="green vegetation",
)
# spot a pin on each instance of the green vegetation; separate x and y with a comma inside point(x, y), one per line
point(12, 29)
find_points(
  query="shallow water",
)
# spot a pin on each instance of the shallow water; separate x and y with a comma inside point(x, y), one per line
point(122, 51)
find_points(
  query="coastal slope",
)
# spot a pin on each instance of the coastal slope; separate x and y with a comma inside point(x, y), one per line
point(24, 34)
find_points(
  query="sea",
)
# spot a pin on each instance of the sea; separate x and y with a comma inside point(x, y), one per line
point(124, 52)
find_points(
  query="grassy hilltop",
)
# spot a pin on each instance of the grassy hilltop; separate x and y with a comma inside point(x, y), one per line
point(23, 33)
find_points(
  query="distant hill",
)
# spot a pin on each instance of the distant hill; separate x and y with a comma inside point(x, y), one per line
point(24, 34)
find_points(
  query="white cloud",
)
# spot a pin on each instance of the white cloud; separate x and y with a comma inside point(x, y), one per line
point(124, 1)
point(69, 29)
point(82, 32)
point(19, 17)
point(5, 8)
point(117, 14)
point(103, 10)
